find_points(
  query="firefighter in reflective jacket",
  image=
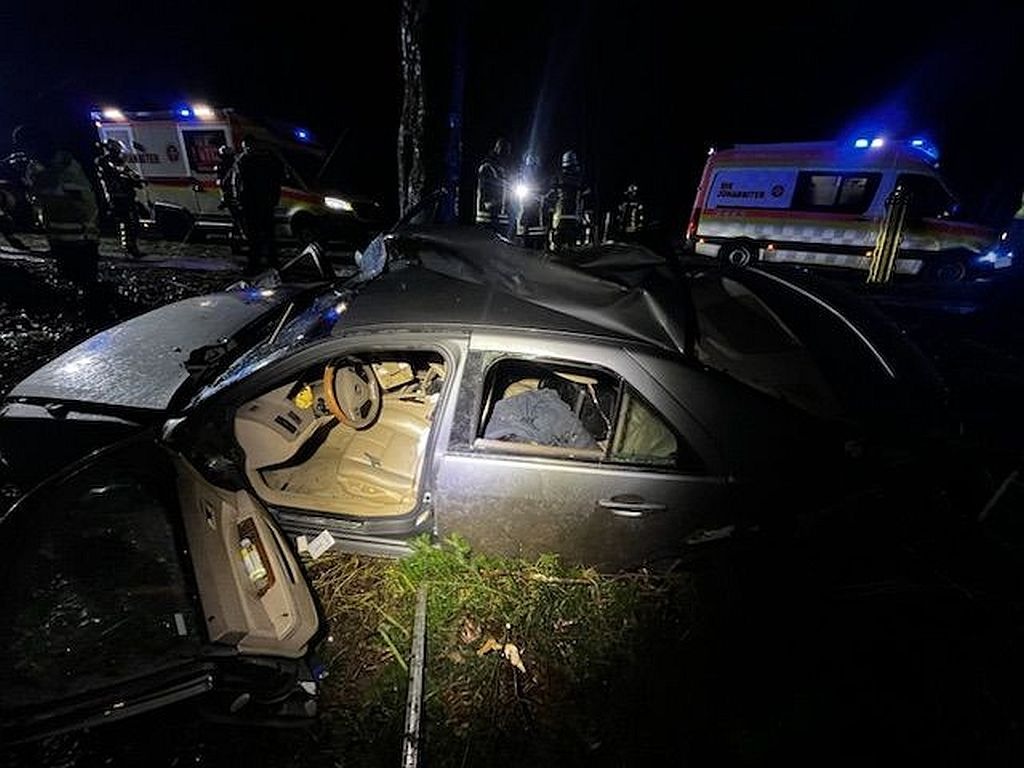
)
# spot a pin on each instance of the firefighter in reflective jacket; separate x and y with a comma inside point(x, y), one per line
point(570, 221)
point(119, 182)
point(493, 207)
point(67, 205)
point(629, 219)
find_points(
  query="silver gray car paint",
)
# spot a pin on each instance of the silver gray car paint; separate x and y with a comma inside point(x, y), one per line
point(140, 363)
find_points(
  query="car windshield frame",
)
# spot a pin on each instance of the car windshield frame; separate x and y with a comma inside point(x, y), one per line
point(312, 324)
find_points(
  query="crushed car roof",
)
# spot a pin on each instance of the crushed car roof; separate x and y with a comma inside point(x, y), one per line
point(470, 276)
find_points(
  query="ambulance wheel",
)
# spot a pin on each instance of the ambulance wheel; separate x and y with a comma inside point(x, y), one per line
point(740, 253)
point(952, 271)
point(305, 230)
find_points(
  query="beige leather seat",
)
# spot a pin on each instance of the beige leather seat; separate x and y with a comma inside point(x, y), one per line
point(374, 472)
point(381, 464)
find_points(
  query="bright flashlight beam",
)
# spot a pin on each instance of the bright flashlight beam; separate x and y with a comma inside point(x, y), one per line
point(521, 191)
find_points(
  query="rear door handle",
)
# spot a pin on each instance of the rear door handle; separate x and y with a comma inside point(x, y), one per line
point(629, 505)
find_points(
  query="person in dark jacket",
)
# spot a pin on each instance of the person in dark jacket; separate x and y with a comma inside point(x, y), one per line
point(256, 189)
point(67, 205)
point(225, 167)
point(493, 206)
point(15, 199)
point(118, 183)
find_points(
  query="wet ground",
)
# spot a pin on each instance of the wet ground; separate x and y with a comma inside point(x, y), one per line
point(855, 646)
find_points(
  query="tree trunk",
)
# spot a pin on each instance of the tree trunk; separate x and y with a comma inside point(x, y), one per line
point(453, 151)
point(410, 128)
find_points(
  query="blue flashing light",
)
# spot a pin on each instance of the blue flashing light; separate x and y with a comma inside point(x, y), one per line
point(861, 143)
point(185, 112)
point(925, 146)
point(996, 259)
point(302, 134)
point(877, 142)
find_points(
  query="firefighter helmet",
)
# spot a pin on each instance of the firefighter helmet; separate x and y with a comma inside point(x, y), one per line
point(114, 148)
point(502, 148)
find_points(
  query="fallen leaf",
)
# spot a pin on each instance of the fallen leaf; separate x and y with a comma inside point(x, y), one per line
point(470, 631)
point(490, 644)
point(512, 654)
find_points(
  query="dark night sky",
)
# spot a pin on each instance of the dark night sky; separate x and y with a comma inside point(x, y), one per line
point(641, 89)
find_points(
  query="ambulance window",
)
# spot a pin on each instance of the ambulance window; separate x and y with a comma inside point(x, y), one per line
point(929, 199)
point(841, 193)
point(853, 191)
point(821, 190)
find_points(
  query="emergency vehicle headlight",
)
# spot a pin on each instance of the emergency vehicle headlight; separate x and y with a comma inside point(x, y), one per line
point(338, 204)
point(112, 113)
point(876, 143)
point(997, 259)
point(861, 143)
point(185, 112)
point(521, 191)
point(202, 111)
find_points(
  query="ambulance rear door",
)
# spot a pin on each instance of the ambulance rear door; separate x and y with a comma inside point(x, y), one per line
point(202, 142)
point(157, 154)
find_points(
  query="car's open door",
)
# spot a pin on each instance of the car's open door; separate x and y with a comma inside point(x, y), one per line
point(127, 583)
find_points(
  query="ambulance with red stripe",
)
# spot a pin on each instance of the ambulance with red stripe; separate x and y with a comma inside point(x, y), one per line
point(176, 152)
point(823, 203)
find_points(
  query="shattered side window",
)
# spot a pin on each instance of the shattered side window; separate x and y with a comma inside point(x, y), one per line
point(546, 405)
point(559, 410)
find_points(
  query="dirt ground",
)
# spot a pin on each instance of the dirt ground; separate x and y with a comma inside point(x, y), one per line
point(856, 647)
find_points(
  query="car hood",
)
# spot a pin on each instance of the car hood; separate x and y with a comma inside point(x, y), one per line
point(145, 362)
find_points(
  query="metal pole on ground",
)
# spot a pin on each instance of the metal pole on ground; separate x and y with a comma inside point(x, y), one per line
point(414, 701)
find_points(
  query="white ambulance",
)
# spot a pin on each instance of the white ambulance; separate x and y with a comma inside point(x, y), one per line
point(822, 204)
point(176, 151)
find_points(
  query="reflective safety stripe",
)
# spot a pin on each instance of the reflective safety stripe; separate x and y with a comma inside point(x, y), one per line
point(860, 233)
point(848, 260)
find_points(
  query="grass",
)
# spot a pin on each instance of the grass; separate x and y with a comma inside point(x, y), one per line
point(577, 636)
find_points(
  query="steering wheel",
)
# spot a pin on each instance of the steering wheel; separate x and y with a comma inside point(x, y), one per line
point(352, 392)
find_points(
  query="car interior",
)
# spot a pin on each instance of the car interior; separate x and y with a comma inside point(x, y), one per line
point(347, 437)
point(563, 411)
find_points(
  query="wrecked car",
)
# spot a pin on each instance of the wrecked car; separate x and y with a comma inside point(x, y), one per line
point(606, 405)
